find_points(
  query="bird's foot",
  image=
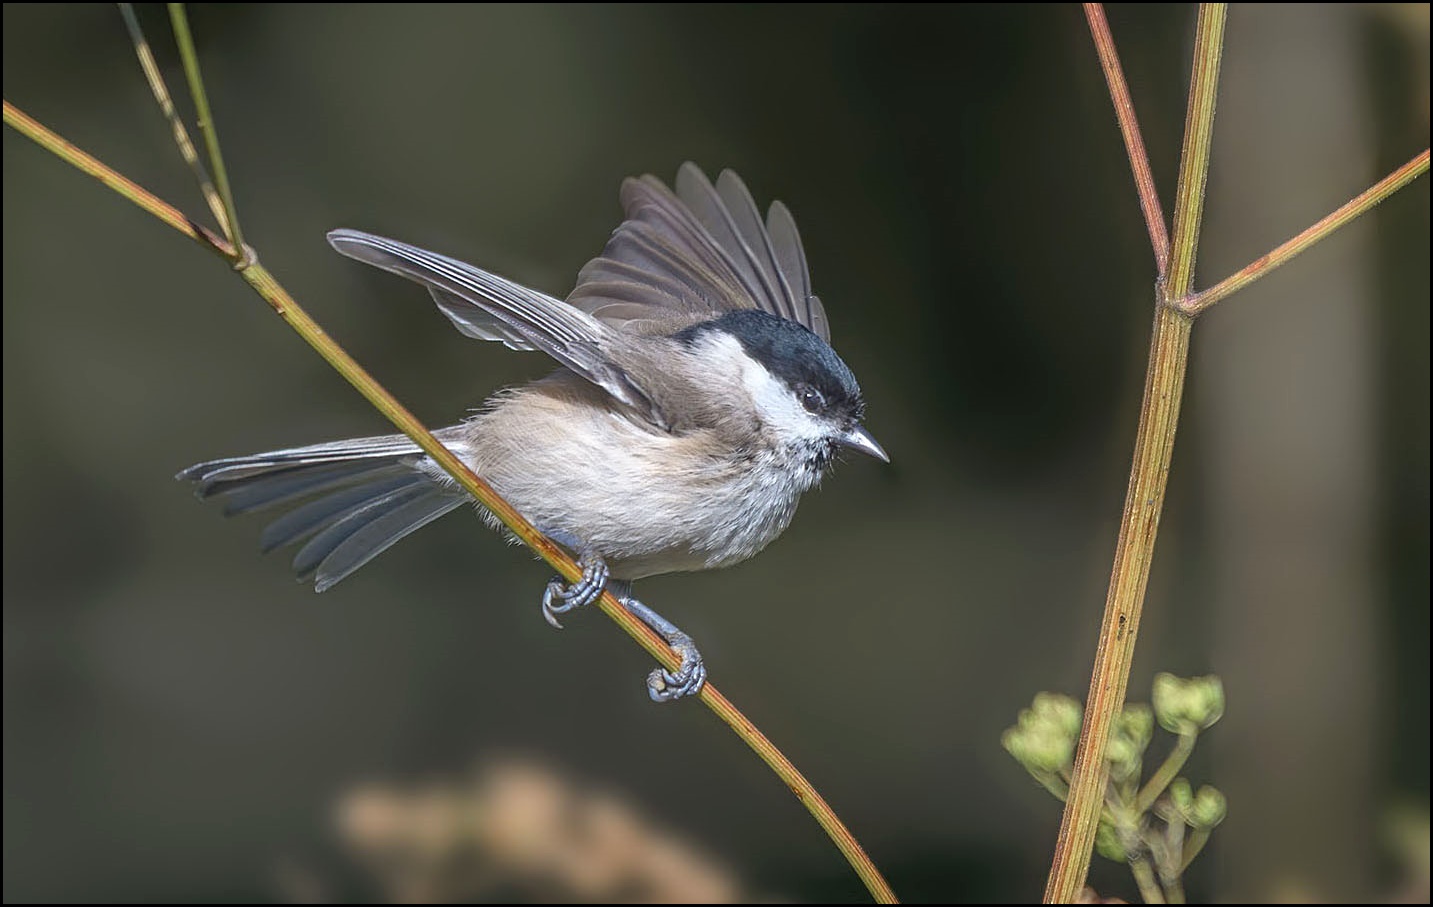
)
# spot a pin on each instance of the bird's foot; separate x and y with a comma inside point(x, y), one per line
point(664, 685)
point(561, 597)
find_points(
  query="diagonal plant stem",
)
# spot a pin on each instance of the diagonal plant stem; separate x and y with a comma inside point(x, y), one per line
point(1129, 128)
point(1144, 500)
point(1356, 206)
point(22, 123)
point(1167, 771)
point(1192, 846)
point(166, 105)
point(230, 220)
point(285, 306)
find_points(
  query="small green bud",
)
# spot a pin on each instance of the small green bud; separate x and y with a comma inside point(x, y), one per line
point(1181, 796)
point(1129, 737)
point(1043, 738)
point(1042, 753)
point(1014, 743)
point(1137, 723)
point(1061, 711)
point(1170, 700)
point(1209, 809)
point(1211, 699)
point(1107, 843)
point(1123, 759)
point(1188, 705)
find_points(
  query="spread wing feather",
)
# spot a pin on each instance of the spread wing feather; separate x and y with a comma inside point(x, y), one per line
point(702, 250)
point(490, 307)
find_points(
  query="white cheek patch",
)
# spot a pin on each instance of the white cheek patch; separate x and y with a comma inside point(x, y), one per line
point(774, 402)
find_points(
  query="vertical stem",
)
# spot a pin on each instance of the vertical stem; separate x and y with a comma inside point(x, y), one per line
point(1149, 889)
point(1171, 867)
point(230, 221)
point(1194, 157)
point(1144, 500)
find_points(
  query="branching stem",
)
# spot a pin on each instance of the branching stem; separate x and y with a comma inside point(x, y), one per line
point(1144, 499)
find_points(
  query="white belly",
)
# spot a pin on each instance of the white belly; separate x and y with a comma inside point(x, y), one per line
point(613, 485)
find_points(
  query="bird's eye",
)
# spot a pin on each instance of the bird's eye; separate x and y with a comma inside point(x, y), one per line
point(811, 399)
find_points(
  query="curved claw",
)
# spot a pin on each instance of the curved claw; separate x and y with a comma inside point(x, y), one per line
point(559, 598)
point(549, 610)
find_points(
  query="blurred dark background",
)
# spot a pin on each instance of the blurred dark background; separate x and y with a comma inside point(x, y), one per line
point(182, 719)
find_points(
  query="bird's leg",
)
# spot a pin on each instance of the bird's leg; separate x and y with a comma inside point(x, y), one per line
point(664, 685)
point(560, 597)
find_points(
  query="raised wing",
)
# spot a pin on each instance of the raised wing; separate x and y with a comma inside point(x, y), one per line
point(490, 307)
point(702, 250)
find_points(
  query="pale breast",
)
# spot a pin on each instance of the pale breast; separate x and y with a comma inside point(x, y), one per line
point(648, 501)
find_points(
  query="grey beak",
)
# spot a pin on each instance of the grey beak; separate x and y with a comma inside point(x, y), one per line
point(860, 439)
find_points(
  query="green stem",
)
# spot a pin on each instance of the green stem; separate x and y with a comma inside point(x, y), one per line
point(1144, 499)
point(22, 123)
point(1174, 890)
point(1154, 447)
point(1198, 837)
point(1356, 206)
point(1129, 129)
point(1167, 772)
point(1194, 157)
point(1149, 889)
point(1128, 827)
point(166, 106)
point(1170, 860)
point(230, 220)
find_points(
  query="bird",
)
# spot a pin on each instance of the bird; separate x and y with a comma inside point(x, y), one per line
point(697, 398)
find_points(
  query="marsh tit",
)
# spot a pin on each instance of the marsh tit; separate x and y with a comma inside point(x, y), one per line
point(698, 398)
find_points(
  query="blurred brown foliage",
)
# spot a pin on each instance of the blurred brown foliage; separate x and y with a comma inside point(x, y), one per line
point(518, 827)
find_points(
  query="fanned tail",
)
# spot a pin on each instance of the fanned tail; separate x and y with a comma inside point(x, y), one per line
point(360, 497)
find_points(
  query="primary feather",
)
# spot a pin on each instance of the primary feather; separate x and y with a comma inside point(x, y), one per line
point(702, 250)
point(490, 307)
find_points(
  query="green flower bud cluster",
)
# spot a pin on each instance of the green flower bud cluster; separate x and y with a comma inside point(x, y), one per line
point(1043, 738)
point(1158, 825)
point(1200, 811)
point(1129, 737)
point(1188, 705)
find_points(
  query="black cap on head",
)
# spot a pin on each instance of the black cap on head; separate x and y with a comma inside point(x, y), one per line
point(792, 353)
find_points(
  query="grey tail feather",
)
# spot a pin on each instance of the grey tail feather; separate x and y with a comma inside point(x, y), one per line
point(213, 472)
point(291, 483)
point(318, 513)
point(366, 494)
point(378, 534)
